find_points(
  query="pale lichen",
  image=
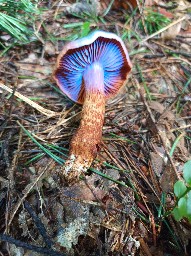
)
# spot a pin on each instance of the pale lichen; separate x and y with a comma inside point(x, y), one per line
point(68, 236)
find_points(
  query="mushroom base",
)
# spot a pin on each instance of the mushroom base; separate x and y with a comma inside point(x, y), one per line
point(85, 143)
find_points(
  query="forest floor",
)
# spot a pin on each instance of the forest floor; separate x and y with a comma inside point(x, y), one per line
point(123, 205)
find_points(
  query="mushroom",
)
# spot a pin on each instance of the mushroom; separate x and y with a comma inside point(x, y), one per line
point(89, 71)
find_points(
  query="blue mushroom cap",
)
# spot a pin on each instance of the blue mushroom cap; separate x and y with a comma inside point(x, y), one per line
point(104, 48)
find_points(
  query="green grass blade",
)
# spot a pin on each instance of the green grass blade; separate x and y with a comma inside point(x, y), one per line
point(48, 152)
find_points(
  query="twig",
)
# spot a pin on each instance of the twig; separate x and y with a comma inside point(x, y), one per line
point(27, 192)
point(34, 248)
point(172, 6)
point(145, 247)
point(39, 224)
point(57, 9)
point(141, 11)
point(180, 128)
point(156, 127)
point(180, 59)
point(44, 111)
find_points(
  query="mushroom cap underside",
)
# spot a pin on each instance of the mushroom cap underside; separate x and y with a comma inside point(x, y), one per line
point(101, 47)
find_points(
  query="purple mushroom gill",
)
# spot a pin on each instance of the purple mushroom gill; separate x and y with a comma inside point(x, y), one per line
point(90, 71)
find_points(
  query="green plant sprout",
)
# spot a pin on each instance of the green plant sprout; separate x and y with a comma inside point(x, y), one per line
point(14, 18)
point(154, 21)
point(182, 190)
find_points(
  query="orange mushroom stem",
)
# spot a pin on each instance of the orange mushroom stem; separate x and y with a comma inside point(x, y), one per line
point(86, 141)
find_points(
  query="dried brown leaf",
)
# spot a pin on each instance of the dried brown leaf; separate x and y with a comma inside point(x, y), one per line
point(168, 179)
point(157, 163)
point(171, 32)
point(157, 106)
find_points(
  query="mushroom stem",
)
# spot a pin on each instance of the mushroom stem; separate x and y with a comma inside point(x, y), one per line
point(85, 143)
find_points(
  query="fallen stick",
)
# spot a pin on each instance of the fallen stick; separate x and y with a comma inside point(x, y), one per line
point(44, 111)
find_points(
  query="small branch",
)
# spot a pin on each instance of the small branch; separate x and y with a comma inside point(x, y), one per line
point(39, 224)
point(171, 7)
point(44, 111)
point(157, 129)
point(29, 187)
point(33, 248)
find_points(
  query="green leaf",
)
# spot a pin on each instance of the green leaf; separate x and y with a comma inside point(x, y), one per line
point(189, 204)
point(85, 29)
point(176, 214)
point(179, 188)
point(182, 206)
point(187, 172)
